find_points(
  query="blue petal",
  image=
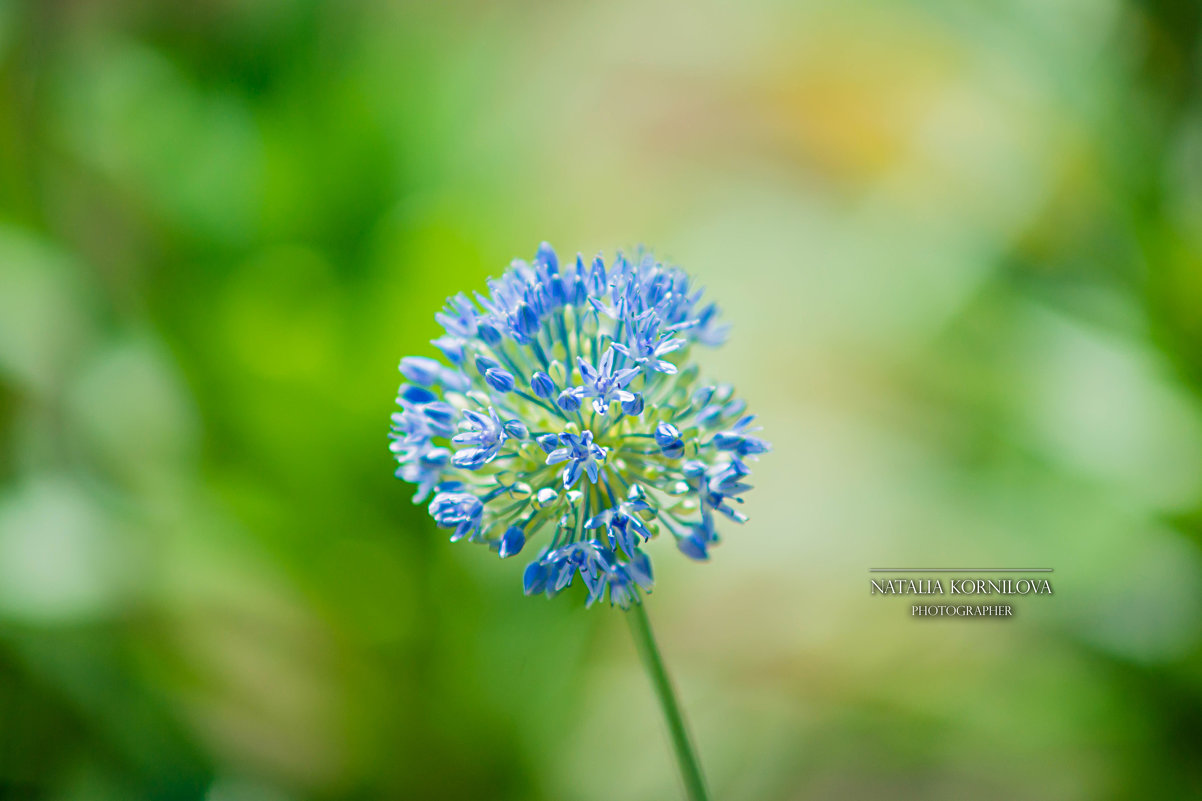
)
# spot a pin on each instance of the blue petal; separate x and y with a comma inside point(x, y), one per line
point(692, 547)
point(674, 449)
point(500, 380)
point(512, 542)
point(587, 371)
point(527, 321)
point(489, 334)
point(546, 255)
point(568, 401)
point(415, 394)
point(753, 445)
point(470, 458)
point(571, 473)
point(534, 579)
point(451, 347)
point(420, 370)
point(665, 434)
point(639, 568)
point(542, 385)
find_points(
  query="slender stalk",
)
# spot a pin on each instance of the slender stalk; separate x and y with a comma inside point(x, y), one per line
point(686, 756)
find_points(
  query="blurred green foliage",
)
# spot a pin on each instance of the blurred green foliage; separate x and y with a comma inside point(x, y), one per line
point(962, 250)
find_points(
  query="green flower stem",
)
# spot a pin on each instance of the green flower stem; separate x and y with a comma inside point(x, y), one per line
point(686, 756)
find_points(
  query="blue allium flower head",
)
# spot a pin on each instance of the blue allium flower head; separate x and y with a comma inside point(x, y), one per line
point(567, 371)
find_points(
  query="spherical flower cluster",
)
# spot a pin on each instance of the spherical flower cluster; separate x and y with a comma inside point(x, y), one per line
point(567, 405)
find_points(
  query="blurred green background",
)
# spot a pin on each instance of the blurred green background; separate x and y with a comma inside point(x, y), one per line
point(961, 248)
